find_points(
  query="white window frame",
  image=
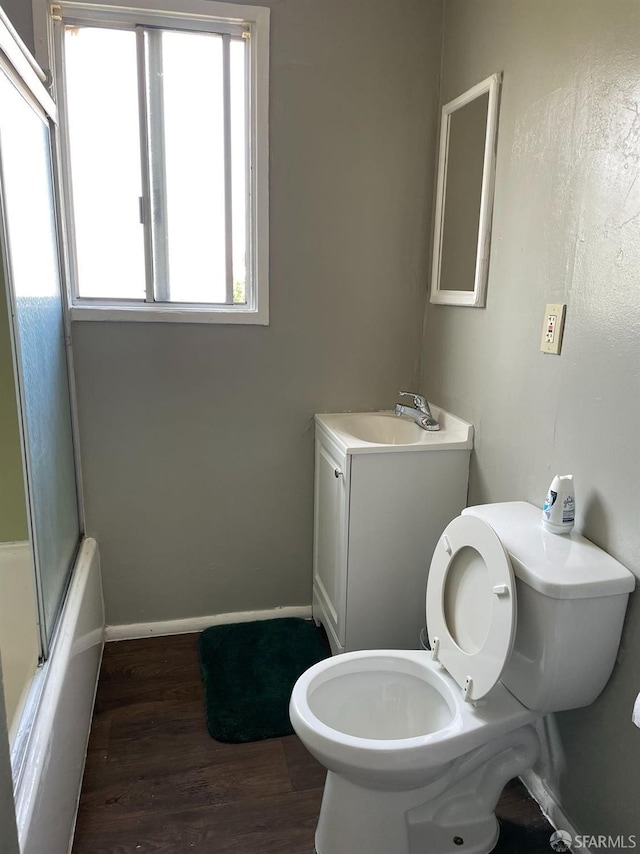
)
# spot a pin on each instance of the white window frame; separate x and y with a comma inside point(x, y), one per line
point(197, 14)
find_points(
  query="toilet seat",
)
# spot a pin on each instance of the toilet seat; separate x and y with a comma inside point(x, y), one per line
point(471, 605)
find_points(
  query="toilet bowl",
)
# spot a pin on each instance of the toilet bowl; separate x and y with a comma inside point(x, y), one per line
point(393, 718)
point(418, 745)
point(395, 734)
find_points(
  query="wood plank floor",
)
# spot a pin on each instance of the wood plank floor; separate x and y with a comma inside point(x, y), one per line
point(155, 781)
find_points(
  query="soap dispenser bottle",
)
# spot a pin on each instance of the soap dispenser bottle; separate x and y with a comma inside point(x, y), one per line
point(559, 509)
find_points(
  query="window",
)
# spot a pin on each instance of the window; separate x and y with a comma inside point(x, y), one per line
point(164, 159)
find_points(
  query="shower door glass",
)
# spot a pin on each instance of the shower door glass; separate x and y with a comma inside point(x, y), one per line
point(32, 263)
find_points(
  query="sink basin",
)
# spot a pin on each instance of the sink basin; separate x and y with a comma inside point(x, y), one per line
point(381, 432)
point(383, 428)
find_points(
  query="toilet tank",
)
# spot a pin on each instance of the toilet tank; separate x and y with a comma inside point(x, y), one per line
point(571, 601)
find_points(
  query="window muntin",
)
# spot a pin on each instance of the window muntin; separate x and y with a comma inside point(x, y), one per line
point(201, 214)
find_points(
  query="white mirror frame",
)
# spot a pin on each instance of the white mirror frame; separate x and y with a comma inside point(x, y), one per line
point(476, 297)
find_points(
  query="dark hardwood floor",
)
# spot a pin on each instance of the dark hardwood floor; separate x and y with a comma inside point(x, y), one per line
point(155, 781)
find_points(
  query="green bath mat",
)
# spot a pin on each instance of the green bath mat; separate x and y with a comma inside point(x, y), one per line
point(249, 670)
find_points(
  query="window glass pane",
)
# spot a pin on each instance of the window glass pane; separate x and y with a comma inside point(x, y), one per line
point(102, 109)
point(194, 152)
point(239, 164)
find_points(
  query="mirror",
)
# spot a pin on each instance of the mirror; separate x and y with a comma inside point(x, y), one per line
point(464, 196)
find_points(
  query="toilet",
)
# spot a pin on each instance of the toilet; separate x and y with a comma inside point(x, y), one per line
point(419, 744)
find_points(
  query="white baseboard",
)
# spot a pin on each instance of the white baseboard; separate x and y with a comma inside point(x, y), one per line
point(550, 807)
point(131, 631)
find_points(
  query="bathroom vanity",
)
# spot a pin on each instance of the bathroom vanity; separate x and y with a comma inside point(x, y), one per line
point(385, 489)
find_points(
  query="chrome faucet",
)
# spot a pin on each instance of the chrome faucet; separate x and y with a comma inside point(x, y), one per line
point(419, 412)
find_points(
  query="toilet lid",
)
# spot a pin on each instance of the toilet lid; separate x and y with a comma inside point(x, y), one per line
point(471, 605)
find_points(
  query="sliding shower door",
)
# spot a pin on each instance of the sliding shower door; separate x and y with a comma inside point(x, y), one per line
point(32, 265)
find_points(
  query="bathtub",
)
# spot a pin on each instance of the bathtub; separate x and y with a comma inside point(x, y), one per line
point(51, 743)
point(18, 629)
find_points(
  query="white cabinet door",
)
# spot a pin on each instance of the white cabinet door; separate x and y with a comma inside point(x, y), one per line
point(330, 538)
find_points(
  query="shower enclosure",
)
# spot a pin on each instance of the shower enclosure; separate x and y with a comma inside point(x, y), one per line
point(41, 408)
point(51, 613)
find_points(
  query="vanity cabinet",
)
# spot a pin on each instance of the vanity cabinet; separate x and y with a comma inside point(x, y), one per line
point(379, 511)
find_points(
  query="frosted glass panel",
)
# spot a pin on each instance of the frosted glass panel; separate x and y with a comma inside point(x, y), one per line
point(35, 280)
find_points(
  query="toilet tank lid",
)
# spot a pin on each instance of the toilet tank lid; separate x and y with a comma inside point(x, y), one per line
point(562, 566)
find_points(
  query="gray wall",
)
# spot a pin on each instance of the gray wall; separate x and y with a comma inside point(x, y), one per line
point(20, 14)
point(197, 441)
point(565, 229)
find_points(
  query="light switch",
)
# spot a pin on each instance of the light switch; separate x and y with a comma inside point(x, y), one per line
point(552, 328)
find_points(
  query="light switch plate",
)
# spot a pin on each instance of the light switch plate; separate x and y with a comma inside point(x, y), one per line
point(552, 328)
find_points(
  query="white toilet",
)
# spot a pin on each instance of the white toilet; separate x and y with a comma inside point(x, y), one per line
point(418, 745)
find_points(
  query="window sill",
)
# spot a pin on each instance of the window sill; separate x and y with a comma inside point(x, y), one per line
point(169, 314)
